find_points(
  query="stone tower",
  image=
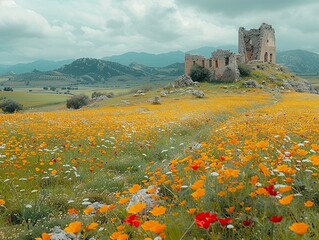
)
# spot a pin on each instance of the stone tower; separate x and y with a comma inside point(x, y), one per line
point(257, 44)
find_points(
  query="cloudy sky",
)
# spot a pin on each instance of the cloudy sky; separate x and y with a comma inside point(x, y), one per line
point(64, 29)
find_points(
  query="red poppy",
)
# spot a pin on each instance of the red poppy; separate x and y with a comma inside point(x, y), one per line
point(222, 158)
point(270, 190)
point(224, 221)
point(132, 220)
point(195, 167)
point(204, 219)
point(248, 222)
point(276, 219)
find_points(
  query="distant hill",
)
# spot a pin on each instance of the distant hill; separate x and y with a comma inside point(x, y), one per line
point(163, 59)
point(98, 69)
point(148, 59)
point(300, 61)
point(207, 51)
point(41, 65)
point(92, 71)
point(175, 69)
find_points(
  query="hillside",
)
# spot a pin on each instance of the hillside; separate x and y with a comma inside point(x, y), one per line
point(300, 61)
point(41, 65)
point(175, 69)
point(148, 59)
point(98, 69)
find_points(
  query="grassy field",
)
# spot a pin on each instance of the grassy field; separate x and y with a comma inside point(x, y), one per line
point(236, 164)
point(313, 79)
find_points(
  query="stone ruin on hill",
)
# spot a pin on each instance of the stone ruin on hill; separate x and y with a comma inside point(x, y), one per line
point(255, 44)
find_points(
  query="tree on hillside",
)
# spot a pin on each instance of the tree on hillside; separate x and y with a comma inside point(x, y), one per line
point(8, 89)
point(199, 74)
point(10, 106)
point(77, 101)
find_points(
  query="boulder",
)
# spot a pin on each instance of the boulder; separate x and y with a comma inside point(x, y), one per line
point(147, 196)
point(183, 81)
point(157, 100)
point(252, 84)
point(198, 93)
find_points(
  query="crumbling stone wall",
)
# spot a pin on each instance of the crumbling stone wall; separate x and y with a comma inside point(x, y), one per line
point(257, 44)
point(222, 65)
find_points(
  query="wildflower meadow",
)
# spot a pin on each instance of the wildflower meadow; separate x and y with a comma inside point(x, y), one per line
point(241, 165)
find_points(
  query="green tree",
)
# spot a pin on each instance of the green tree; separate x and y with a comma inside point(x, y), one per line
point(8, 89)
point(199, 74)
point(77, 101)
point(244, 69)
point(10, 106)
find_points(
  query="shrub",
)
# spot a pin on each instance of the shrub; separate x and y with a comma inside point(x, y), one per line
point(244, 69)
point(10, 106)
point(77, 101)
point(8, 89)
point(199, 74)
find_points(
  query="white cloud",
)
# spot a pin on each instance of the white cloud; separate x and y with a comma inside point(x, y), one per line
point(59, 29)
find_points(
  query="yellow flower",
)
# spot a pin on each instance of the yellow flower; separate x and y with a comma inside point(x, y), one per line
point(191, 210)
point(284, 189)
point(264, 169)
point(135, 188)
point(45, 236)
point(254, 180)
point(286, 200)
point(309, 204)
point(53, 172)
point(136, 208)
point(104, 209)
point(299, 228)
point(88, 210)
point(2, 202)
point(92, 226)
point(198, 184)
point(157, 211)
point(124, 200)
point(200, 192)
point(154, 226)
point(74, 227)
point(119, 236)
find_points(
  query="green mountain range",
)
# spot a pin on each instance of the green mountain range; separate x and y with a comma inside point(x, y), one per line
point(298, 61)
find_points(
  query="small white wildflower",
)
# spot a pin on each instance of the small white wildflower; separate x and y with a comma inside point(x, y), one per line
point(34, 191)
point(215, 174)
point(28, 206)
point(86, 203)
point(168, 173)
point(165, 150)
point(298, 195)
point(306, 160)
point(229, 226)
point(71, 201)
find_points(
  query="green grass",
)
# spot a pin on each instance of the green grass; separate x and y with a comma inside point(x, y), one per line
point(31, 100)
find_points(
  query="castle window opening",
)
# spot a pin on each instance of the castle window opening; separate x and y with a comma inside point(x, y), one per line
point(194, 62)
point(227, 61)
point(216, 63)
point(266, 57)
point(210, 63)
point(203, 63)
point(270, 57)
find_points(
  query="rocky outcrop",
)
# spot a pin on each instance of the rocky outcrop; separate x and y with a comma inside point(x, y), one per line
point(183, 81)
point(299, 86)
point(252, 84)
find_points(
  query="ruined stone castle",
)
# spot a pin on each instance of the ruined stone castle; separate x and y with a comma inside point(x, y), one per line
point(255, 44)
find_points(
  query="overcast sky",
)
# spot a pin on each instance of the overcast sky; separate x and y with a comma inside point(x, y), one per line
point(64, 29)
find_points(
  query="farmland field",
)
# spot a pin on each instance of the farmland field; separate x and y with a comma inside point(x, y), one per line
point(231, 165)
